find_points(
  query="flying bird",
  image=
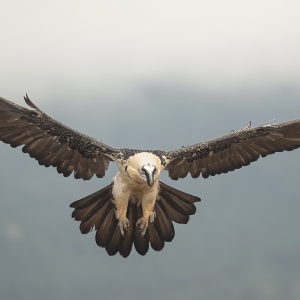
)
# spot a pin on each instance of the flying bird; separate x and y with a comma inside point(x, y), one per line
point(136, 208)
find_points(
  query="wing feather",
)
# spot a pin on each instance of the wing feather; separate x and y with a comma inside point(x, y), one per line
point(52, 143)
point(233, 150)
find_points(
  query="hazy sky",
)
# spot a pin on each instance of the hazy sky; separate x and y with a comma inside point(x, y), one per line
point(153, 74)
point(114, 46)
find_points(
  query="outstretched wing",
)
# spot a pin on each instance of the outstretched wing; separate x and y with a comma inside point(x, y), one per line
point(234, 150)
point(52, 143)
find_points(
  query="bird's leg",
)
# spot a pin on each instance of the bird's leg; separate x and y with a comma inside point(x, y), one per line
point(148, 203)
point(121, 198)
point(120, 211)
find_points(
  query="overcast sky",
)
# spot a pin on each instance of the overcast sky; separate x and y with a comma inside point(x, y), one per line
point(114, 46)
point(153, 74)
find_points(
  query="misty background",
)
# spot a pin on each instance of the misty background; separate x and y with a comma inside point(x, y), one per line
point(156, 75)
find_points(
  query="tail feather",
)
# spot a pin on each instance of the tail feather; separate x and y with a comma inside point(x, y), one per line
point(89, 200)
point(80, 214)
point(163, 225)
point(177, 205)
point(97, 211)
point(141, 243)
point(184, 197)
point(156, 242)
point(97, 219)
point(126, 246)
point(183, 208)
point(105, 230)
point(116, 241)
point(111, 223)
point(172, 213)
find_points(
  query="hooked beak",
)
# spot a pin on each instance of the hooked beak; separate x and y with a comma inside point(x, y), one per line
point(150, 179)
point(149, 172)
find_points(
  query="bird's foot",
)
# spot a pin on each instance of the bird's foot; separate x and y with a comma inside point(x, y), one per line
point(123, 224)
point(142, 224)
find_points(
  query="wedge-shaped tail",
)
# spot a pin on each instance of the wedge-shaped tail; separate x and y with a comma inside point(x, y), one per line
point(97, 211)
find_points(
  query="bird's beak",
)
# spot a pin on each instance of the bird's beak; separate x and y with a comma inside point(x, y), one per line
point(150, 180)
point(149, 172)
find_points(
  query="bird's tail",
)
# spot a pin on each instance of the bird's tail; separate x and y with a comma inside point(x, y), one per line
point(97, 211)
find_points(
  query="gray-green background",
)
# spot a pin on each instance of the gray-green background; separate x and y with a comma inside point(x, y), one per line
point(157, 74)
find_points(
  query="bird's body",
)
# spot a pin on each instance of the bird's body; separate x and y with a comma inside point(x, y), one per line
point(129, 181)
point(136, 208)
point(143, 207)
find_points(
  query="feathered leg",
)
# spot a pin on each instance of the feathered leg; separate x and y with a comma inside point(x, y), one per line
point(121, 198)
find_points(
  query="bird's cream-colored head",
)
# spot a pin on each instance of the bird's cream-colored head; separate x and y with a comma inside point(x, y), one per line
point(144, 167)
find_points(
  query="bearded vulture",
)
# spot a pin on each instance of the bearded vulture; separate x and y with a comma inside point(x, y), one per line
point(136, 208)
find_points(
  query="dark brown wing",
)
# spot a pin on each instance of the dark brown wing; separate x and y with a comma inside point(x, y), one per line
point(52, 143)
point(234, 150)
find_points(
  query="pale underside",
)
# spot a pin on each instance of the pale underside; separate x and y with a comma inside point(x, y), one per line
point(129, 185)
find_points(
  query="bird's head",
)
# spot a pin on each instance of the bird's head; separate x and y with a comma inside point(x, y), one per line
point(148, 173)
point(144, 167)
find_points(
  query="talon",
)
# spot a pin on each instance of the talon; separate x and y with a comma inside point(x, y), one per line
point(123, 224)
point(143, 225)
